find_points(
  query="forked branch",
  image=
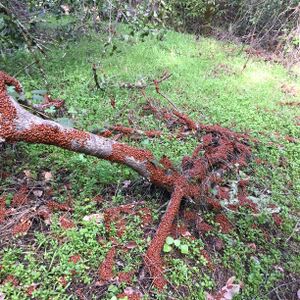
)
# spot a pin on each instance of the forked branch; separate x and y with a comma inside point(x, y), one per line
point(220, 150)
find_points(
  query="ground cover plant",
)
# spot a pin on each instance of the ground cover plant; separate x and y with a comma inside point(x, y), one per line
point(75, 227)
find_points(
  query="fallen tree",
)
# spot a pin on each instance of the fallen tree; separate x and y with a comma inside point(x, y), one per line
point(219, 151)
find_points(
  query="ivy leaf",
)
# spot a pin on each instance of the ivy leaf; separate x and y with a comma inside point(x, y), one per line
point(167, 248)
point(169, 240)
point(65, 122)
point(50, 110)
point(12, 92)
point(184, 249)
point(177, 243)
point(39, 92)
point(37, 97)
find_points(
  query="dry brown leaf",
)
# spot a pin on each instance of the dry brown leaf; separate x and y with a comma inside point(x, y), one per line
point(98, 218)
point(227, 292)
point(131, 245)
point(47, 176)
point(27, 173)
point(38, 193)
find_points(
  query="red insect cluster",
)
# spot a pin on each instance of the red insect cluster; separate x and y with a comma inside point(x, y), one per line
point(201, 176)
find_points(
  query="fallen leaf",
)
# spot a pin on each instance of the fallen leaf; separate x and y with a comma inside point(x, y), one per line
point(38, 193)
point(44, 213)
point(126, 183)
point(130, 293)
point(47, 176)
point(63, 281)
point(252, 246)
point(98, 218)
point(30, 289)
point(131, 245)
point(66, 223)
point(289, 89)
point(279, 268)
point(27, 173)
point(75, 258)
point(227, 292)
point(22, 227)
point(186, 234)
point(219, 244)
point(20, 197)
point(11, 279)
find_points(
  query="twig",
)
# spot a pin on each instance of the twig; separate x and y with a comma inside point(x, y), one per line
point(281, 285)
point(246, 62)
point(141, 85)
point(35, 110)
point(157, 82)
point(23, 68)
point(110, 22)
point(294, 230)
point(94, 68)
point(168, 99)
point(166, 75)
point(162, 207)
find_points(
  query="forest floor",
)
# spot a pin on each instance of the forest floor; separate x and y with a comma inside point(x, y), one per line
point(60, 252)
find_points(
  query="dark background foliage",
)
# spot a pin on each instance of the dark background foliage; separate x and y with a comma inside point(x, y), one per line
point(273, 25)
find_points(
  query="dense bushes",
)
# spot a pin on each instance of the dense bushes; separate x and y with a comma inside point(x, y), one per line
point(269, 23)
point(12, 14)
point(193, 15)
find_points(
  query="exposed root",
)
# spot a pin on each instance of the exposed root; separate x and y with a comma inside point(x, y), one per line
point(153, 258)
point(127, 131)
point(142, 85)
point(106, 268)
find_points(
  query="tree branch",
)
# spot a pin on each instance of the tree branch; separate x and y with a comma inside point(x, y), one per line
point(220, 150)
point(17, 124)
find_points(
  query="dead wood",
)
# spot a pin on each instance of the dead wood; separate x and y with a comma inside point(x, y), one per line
point(220, 150)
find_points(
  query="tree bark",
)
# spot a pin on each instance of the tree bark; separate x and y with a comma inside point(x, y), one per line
point(17, 124)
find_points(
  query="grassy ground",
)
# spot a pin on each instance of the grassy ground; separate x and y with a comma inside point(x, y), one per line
point(208, 82)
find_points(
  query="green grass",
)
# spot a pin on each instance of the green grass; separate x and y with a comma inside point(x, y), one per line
point(208, 84)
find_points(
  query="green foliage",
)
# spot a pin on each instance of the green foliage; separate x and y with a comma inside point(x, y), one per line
point(9, 33)
point(267, 20)
point(184, 248)
point(193, 13)
point(270, 23)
